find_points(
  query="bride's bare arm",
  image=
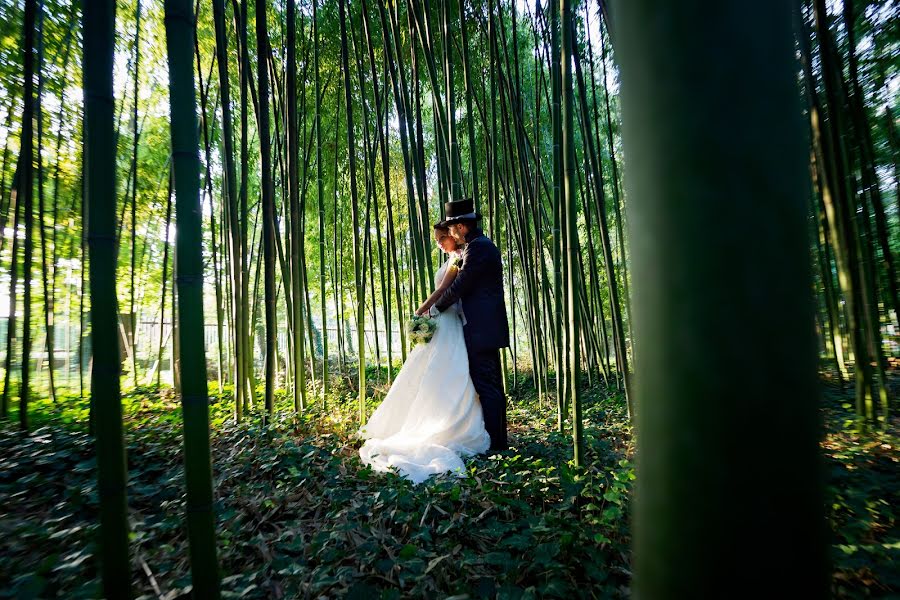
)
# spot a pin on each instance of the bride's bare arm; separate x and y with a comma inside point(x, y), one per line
point(449, 277)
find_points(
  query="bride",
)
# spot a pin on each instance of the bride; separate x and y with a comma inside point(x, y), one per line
point(431, 416)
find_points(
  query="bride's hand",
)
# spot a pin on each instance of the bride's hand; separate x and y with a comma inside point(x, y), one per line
point(422, 311)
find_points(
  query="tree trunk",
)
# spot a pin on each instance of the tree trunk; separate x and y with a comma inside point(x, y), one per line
point(320, 201)
point(207, 187)
point(248, 381)
point(842, 206)
point(715, 246)
point(132, 315)
point(296, 241)
point(231, 200)
point(163, 285)
point(268, 203)
point(13, 287)
point(179, 23)
point(100, 162)
point(354, 204)
point(569, 214)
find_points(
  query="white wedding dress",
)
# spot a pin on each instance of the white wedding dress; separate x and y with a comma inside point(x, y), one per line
point(431, 417)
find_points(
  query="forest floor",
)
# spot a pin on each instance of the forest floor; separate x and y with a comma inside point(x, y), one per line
point(299, 516)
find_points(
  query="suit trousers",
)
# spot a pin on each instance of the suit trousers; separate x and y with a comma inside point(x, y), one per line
point(487, 375)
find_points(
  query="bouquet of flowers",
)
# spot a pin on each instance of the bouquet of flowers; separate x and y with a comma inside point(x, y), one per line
point(421, 329)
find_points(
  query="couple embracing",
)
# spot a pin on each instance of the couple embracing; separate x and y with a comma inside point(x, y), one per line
point(447, 401)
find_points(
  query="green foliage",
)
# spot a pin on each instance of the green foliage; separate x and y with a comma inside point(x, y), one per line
point(863, 494)
point(297, 512)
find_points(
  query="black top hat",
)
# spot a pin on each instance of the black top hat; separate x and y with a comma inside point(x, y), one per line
point(459, 210)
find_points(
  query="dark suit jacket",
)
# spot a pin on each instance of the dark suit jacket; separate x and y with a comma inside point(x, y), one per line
point(479, 285)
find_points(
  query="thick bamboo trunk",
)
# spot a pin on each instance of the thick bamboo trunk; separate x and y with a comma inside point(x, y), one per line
point(189, 283)
point(708, 254)
point(106, 407)
point(556, 121)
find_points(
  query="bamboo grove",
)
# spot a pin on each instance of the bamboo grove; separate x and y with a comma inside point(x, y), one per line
point(326, 156)
point(247, 190)
point(327, 246)
point(851, 229)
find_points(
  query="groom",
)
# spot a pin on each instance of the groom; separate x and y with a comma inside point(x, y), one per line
point(479, 285)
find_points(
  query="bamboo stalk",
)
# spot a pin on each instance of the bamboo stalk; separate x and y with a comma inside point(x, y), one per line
point(98, 21)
